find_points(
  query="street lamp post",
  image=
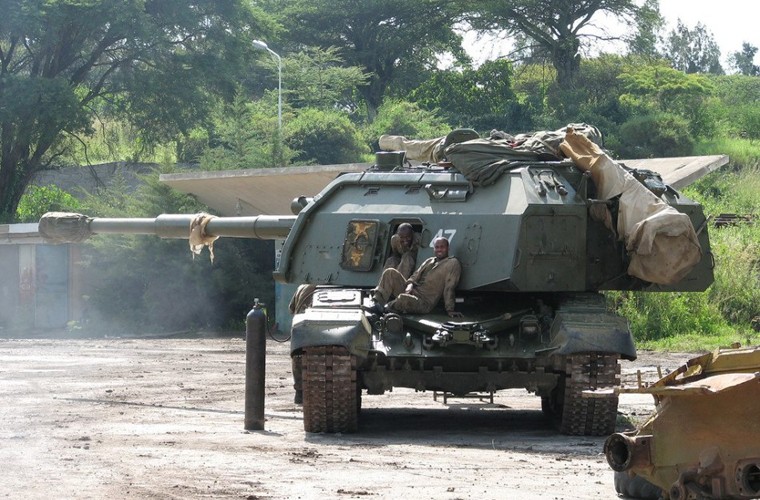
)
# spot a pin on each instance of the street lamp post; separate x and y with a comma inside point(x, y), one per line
point(263, 46)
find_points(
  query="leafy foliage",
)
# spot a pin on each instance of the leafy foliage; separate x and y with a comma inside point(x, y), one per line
point(747, 121)
point(324, 138)
point(656, 135)
point(693, 50)
point(737, 90)
point(245, 134)
point(555, 28)
point(318, 78)
point(532, 83)
point(645, 40)
point(477, 98)
point(155, 62)
point(735, 107)
point(375, 36)
point(407, 119)
point(659, 88)
point(743, 61)
point(652, 89)
point(41, 199)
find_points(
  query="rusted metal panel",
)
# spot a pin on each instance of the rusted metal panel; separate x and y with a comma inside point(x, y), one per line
point(702, 441)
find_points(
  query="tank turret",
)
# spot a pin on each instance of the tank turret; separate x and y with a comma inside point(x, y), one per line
point(536, 239)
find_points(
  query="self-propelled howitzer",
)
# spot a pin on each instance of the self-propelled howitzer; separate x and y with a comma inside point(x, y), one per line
point(536, 245)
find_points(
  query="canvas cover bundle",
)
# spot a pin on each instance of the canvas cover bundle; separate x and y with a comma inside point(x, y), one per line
point(661, 242)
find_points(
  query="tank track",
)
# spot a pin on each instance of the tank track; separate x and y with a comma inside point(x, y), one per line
point(594, 416)
point(329, 390)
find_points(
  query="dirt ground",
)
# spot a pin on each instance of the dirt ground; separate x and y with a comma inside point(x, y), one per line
point(163, 418)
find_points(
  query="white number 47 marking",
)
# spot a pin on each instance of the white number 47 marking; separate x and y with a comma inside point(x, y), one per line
point(446, 233)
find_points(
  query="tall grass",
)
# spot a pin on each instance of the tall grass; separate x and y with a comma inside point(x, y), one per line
point(736, 291)
point(742, 152)
point(724, 313)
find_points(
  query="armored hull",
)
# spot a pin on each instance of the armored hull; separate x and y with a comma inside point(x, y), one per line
point(533, 263)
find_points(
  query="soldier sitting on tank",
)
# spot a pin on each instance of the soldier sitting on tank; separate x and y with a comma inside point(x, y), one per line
point(437, 277)
point(404, 246)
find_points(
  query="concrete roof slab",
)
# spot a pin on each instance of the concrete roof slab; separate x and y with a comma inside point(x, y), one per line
point(269, 191)
point(265, 191)
point(682, 171)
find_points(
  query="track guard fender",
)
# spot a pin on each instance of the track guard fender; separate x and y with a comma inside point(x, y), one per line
point(347, 328)
point(583, 332)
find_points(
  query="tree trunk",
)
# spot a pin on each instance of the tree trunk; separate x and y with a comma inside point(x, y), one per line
point(9, 188)
point(566, 60)
point(8, 174)
point(373, 96)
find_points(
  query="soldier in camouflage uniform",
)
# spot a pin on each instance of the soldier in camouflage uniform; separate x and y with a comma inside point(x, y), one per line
point(437, 277)
point(404, 246)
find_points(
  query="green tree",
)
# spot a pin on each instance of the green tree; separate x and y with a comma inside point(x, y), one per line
point(656, 88)
point(556, 28)
point(598, 93)
point(744, 61)
point(156, 62)
point(324, 137)
point(375, 36)
point(655, 135)
point(736, 106)
point(318, 78)
point(245, 134)
point(693, 50)
point(532, 84)
point(643, 42)
point(40, 199)
point(737, 90)
point(481, 98)
point(407, 119)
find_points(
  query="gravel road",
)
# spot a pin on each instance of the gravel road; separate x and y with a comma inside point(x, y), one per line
point(163, 418)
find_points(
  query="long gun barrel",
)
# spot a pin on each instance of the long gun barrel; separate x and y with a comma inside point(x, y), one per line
point(61, 227)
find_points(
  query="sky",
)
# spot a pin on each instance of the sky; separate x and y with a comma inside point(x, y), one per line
point(731, 22)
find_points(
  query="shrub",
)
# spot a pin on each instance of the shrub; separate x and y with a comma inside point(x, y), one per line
point(747, 122)
point(655, 135)
point(324, 137)
point(40, 199)
point(407, 119)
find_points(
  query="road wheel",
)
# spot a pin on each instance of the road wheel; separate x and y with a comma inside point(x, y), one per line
point(589, 416)
point(329, 390)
